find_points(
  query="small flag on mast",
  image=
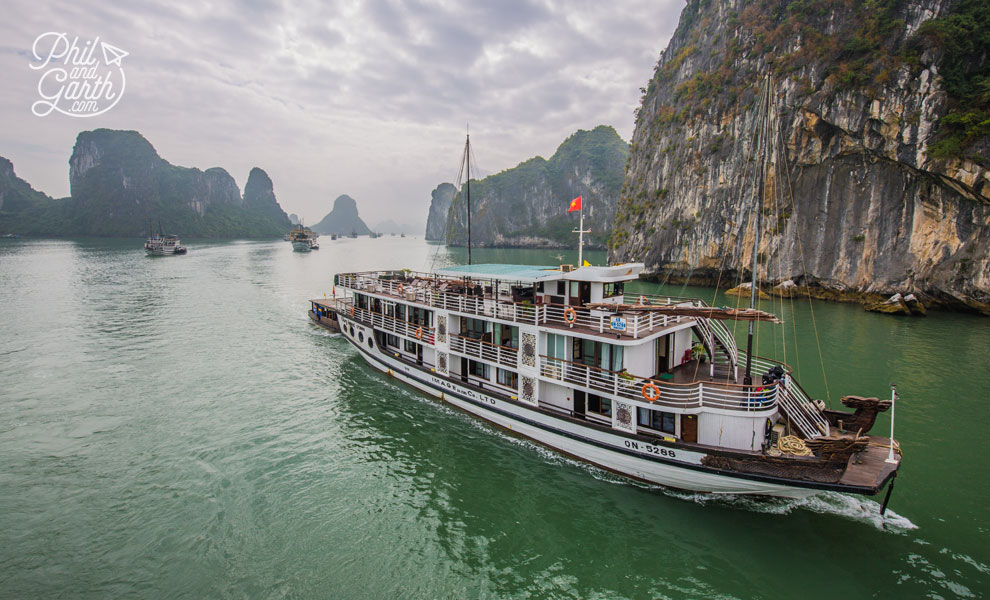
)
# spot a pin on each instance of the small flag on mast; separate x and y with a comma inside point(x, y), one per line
point(575, 205)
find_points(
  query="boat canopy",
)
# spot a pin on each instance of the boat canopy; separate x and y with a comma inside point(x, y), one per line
point(533, 274)
point(520, 273)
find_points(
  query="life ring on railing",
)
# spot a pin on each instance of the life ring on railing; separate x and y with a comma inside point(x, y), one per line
point(650, 391)
point(352, 312)
point(419, 333)
point(401, 288)
point(570, 315)
point(642, 301)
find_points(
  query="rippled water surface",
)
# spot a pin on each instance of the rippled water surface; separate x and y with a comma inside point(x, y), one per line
point(177, 428)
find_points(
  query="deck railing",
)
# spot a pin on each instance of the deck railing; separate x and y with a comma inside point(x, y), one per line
point(503, 355)
point(424, 289)
point(673, 395)
point(420, 333)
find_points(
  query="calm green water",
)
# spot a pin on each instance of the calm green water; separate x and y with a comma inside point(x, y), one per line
point(176, 428)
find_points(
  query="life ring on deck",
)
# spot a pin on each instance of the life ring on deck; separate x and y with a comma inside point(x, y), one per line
point(401, 288)
point(642, 300)
point(419, 333)
point(650, 391)
point(570, 315)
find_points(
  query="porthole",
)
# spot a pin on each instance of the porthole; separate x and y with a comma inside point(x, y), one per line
point(371, 344)
point(361, 336)
point(352, 331)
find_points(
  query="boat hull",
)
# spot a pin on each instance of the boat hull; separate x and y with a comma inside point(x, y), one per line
point(301, 246)
point(652, 463)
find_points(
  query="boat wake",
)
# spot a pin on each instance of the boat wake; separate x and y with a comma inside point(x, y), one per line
point(846, 506)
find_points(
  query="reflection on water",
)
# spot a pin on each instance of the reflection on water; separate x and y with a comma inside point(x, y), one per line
point(177, 427)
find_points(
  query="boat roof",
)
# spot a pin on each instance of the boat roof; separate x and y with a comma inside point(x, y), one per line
point(520, 273)
point(533, 273)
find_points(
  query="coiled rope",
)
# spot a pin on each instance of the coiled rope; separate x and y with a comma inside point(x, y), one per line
point(791, 444)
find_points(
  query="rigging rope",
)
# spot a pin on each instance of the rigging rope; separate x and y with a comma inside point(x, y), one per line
point(791, 444)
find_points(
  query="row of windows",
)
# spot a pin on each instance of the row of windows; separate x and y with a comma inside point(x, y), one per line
point(402, 312)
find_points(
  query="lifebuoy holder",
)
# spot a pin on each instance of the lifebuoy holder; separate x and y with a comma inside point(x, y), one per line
point(570, 315)
point(642, 301)
point(650, 391)
point(419, 333)
point(401, 288)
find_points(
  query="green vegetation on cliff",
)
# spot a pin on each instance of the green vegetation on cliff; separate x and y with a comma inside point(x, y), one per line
point(121, 187)
point(527, 204)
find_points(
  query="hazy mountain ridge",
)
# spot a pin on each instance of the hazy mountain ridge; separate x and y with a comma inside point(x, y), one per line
point(120, 186)
point(343, 218)
point(879, 207)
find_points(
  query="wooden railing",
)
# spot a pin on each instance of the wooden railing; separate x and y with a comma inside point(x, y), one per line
point(503, 355)
point(673, 395)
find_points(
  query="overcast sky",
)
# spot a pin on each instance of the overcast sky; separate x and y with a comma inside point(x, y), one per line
point(369, 99)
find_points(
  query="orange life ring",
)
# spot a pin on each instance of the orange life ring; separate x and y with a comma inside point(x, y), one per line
point(570, 315)
point(419, 333)
point(650, 391)
point(401, 289)
point(642, 300)
point(352, 311)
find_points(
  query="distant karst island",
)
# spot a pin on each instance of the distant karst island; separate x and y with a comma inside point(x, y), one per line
point(526, 206)
point(119, 186)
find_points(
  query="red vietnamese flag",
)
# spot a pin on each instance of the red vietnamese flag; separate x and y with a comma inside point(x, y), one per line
point(575, 205)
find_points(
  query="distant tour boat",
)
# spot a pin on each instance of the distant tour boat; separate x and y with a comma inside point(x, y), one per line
point(160, 244)
point(304, 239)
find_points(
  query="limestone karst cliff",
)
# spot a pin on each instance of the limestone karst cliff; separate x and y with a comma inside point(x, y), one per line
point(526, 206)
point(888, 195)
point(436, 222)
point(120, 186)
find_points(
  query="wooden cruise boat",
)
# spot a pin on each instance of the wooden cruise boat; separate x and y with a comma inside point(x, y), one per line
point(646, 386)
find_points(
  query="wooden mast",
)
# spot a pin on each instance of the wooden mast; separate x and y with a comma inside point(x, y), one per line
point(762, 134)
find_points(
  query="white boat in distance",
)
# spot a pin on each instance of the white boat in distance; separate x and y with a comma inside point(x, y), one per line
point(159, 244)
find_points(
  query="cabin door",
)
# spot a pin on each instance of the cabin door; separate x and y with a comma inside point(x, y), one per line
point(689, 428)
point(580, 401)
point(663, 354)
point(464, 369)
point(419, 354)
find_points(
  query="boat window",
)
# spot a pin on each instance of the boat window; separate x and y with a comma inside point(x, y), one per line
point(657, 419)
point(400, 312)
point(389, 308)
point(473, 328)
point(598, 354)
point(556, 345)
point(478, 369)
point(614, 289)
point(508, 378)
point(507, 335)
point(561, 288)
point(392, 340)
point(410, 346)
point(597, 404)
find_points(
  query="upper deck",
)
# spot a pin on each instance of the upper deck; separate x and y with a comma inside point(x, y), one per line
point(544, 296)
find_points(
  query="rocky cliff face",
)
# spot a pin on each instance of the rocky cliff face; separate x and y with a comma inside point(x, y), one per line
point(876, 207)
point(526, 206)
point(436, 223)
point(343, 219)
point(120, 185)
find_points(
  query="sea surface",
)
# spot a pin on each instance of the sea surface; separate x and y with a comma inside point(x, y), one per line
point(176, 427)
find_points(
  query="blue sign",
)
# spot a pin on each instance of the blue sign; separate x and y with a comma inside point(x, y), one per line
point(618, 323)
